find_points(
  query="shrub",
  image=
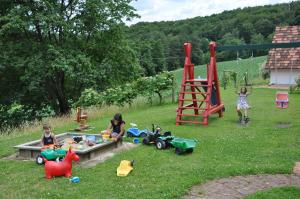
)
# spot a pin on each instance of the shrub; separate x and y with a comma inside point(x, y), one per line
point(155, 84)
point(120, 95)
point(89, 97)
point(295, 88)
point(17, 114)
point(125, 94)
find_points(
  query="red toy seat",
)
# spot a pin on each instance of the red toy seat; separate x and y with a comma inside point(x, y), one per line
point(282, 100)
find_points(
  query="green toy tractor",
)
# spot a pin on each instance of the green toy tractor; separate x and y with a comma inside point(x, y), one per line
point(153, 136)
point(181, 145)
point(50, 154)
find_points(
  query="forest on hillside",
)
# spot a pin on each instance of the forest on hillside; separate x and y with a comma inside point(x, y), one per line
point(51, 51)
point(159, 44)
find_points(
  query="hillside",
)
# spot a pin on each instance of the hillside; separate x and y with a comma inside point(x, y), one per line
point(159, 44)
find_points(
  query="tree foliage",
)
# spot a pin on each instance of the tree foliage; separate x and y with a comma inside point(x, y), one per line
point(60, 47)
point(125, 94)
point(248, 25)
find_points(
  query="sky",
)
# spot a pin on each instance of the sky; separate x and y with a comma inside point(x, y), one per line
point(170, 10)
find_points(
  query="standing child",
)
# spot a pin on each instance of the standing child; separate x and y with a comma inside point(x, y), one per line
point(48, 140)
point(116, 127)
point(242, 105)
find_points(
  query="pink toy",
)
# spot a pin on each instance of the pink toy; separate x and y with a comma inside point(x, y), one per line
point(63, 168)
point(282, 100)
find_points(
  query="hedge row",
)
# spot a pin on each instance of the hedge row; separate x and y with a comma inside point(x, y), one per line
point(125, 94)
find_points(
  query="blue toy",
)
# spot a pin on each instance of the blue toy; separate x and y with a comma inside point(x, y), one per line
point(75, 179)
point(136, 141)
point(136, 132)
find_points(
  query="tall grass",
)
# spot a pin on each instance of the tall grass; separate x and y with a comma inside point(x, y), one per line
point(94, 113)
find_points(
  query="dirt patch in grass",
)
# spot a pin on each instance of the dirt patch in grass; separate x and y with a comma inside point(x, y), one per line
point(283, 125)
point(108, 154)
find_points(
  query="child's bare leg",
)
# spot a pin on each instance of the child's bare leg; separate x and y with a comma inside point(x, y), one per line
point(246, 113)
point(240, 114)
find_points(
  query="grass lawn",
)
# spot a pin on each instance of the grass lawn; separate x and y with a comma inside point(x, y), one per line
point(225, 149)
point(277, 193)
point(252, 66)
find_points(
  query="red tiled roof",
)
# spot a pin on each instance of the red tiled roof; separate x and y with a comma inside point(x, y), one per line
point(285, 58)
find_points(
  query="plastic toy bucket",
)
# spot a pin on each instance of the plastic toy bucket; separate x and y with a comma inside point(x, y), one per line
point(105, 137)
point(136, 141)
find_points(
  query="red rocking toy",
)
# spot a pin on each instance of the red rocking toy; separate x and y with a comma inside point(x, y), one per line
point(64, 168)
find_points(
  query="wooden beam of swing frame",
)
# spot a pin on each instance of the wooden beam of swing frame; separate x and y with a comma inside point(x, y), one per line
point(258, 46)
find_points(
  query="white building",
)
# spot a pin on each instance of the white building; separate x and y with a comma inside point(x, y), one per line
point(284, 63)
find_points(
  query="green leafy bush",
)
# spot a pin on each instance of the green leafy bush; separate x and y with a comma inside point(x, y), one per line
point(16, 114)
point(227, 77)
point(89, 97)
point(295, 88)
point(125, 94)
point(120, 95)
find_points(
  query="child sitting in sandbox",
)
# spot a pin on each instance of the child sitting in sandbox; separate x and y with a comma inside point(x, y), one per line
point(242, 105)
point(48, 140)
point(116, 127)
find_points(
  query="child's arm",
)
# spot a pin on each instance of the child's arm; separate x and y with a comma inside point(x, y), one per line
point(55, 142)
point(122, 131)
point(42, 142)
point(237, 91)
point(109, 127)
point(250, 91)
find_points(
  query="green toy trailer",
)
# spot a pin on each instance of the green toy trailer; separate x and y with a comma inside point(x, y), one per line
point(181, 145)
point(51, 154)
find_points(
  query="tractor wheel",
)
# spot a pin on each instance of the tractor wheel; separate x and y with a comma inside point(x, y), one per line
point(143, 135)
point(190, 150)
point(160, 144)
point(59, 159)
point(39, 160)
point(146, 141)
point(178, 151)
point(128, 134)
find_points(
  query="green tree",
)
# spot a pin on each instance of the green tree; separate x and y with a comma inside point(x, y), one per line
point(246, 32)
point(54, 44)
point(146, 60)
point(158, 56)
point(265, 27)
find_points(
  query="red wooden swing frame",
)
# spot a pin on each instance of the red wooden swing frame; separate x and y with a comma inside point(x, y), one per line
point(201, 88)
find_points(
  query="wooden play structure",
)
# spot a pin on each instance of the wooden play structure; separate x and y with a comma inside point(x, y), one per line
point(81, 119)
point(204, 94)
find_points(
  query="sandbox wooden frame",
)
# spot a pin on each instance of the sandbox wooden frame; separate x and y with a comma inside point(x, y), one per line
point(29, 150)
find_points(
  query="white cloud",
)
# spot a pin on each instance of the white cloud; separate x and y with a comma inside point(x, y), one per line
point(168, 10)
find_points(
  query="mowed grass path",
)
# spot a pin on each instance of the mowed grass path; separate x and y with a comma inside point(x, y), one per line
point(225, 149)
